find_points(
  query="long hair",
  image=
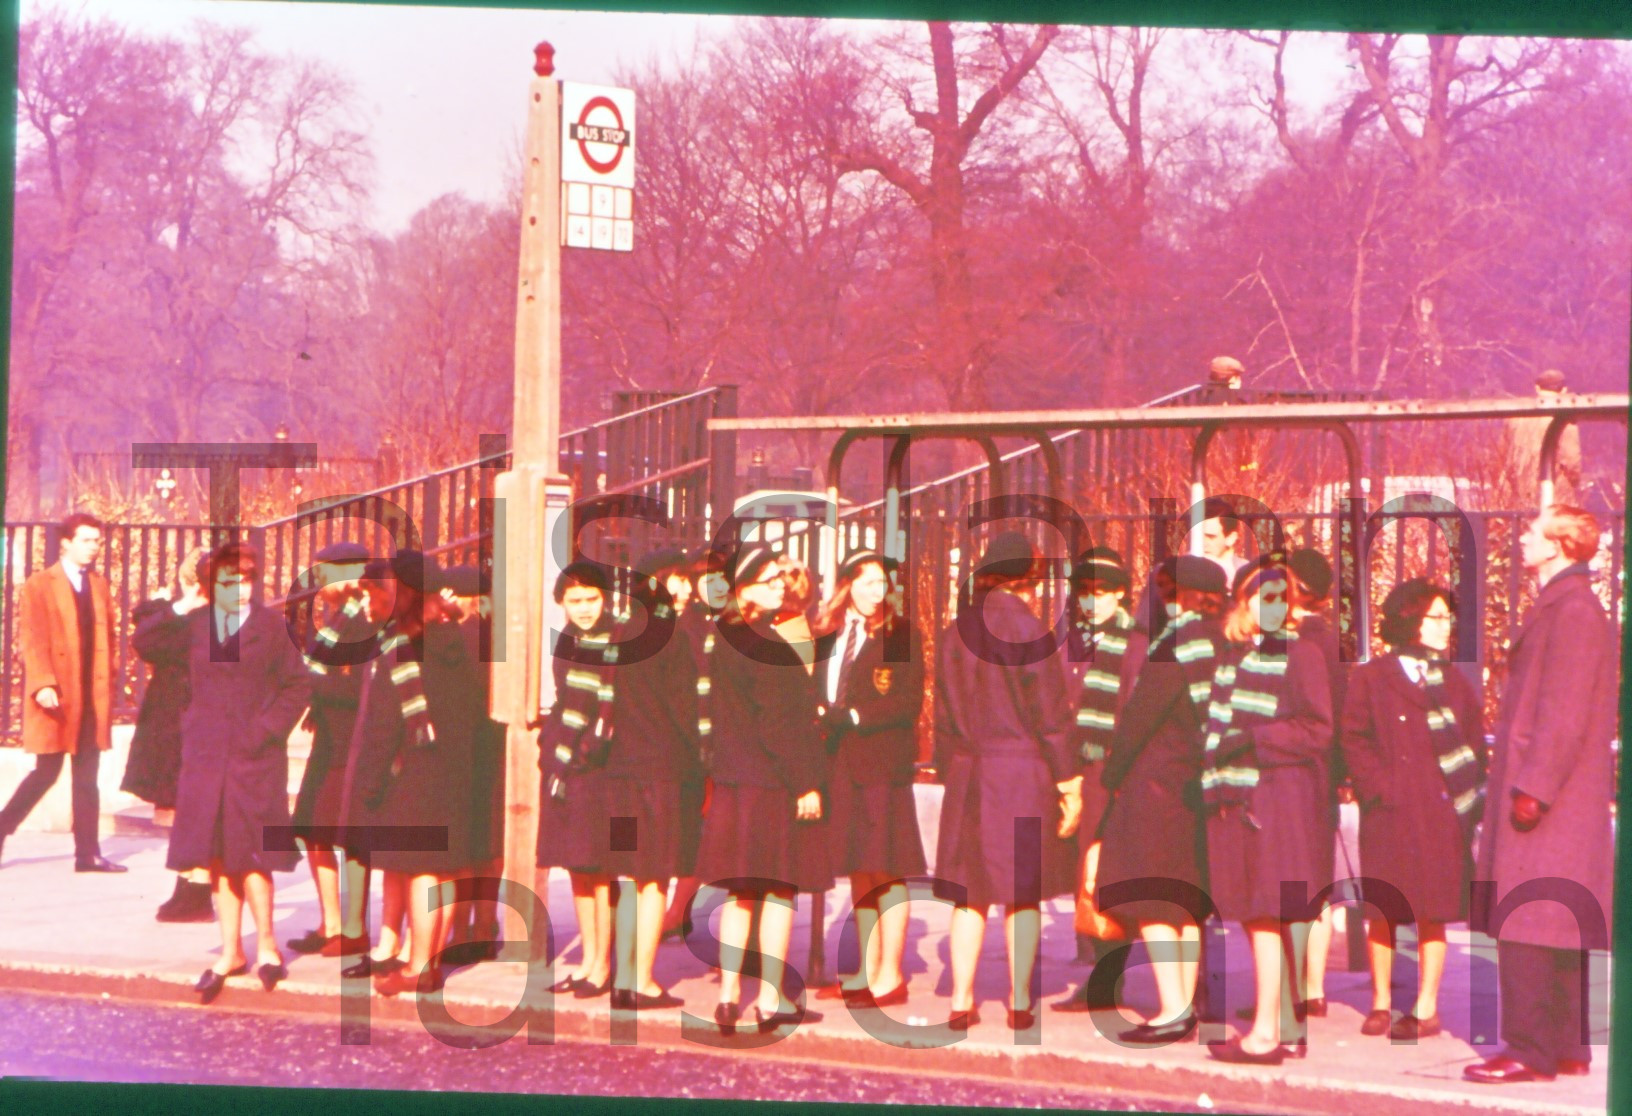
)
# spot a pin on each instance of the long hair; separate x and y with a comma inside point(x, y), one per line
point(1239, 624)
point(830, 614)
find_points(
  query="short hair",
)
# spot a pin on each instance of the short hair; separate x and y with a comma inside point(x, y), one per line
point(72, 522)
point(587, 574)
point(1574, 529)
point(239, 556)
point(1405, 606)
point(1216, 507)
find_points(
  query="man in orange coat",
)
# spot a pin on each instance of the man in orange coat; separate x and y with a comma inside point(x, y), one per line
point(66, 631)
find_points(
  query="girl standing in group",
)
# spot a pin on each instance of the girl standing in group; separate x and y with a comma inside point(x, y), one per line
point(768, 768)
point(572, 824)
point(1265, 747)
point(871, 683)
point(1152, 829)
point(415, 749)
point(1107, 650)
point(1003, 748)
point(653, 751)
point(1413, 737)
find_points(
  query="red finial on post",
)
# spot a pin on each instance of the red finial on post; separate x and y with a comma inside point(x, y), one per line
point(544, 60)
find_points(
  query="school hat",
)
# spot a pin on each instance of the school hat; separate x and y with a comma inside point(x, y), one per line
point(1007, 555)
point(1253, 571)
point(751, 562)
point(1100, 564)
point(462, 581)
point(1198, 574)
point(343, 554)
point(1312, 571)
point(661, 561)
point(859, 558)
point(581, 573)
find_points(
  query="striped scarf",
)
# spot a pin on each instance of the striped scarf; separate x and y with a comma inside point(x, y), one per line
point(1101, 683)
point(583, 708)
point(1189, 644)
point(705, 720)
point(408, 681)
point(1245, 693)
point(1464, 778)
point(326, 654)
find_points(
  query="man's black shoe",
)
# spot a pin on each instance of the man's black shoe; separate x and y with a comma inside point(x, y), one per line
point(98, 864)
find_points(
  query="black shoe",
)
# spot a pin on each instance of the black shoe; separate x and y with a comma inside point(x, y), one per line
point(963, 1020)
point(1376, 1022)
point(1315, 1007)
point(190, 902)
point(623, 999)
point(1022, 1020)
point(98, 864)
point(210, 983)
point(1231, 1052)
point(769, 1023)
point(1160, 1034)
point(271, 973)
point(368, 967)
point(664, 999)
point(588, 991)
point(726, 1016)
point(310, 942)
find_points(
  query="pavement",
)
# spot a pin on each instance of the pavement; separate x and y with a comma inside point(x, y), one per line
point(95, 934)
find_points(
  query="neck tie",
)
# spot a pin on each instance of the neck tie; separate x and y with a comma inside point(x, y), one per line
point(847, 658)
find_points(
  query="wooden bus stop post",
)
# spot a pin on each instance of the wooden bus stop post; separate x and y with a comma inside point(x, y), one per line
point(534, 493)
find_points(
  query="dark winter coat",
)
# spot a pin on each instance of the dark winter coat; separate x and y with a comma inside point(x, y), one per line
point(234, 736)
point(1553, 742)
point(154, 767)
point(1410, 834)
point(1002, 742)
point(393, 783)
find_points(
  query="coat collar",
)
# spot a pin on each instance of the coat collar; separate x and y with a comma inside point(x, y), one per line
point(1395, 678)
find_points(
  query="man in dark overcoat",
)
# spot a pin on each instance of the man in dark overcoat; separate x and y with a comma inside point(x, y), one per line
point(1548, 821)
point(65, 627)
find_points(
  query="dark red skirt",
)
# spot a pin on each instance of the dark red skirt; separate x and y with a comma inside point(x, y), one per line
point(643, 827)
point(875, 829)
point(575, 833)
point(692, 793)
point(487, 795)
point(752, 833)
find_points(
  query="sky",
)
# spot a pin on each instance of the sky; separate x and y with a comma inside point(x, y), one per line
point(442, 92)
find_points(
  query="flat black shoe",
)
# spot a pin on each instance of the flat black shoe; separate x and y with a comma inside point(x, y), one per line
point(210, 983)
point(368, 967)
point(98, 864)
point(1376, 1022)
point(588, 991)
point(1079, 1001)
point(1159, 1034)
point(1298, 1049)
point(1022, 1020)
point(271, 973)
point(664, 999)
point(1315, 1007)
point(566, 985)
point(726, 1016)
point(1232, 1052)
point(963, 1020)
point(623, 999)
point(310, 942)
point(769, 1023)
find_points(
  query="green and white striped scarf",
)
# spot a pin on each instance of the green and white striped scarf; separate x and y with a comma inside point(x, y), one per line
point(583, 709)
point(408, 681)
point(1245, 693)
point(705, 720)
point(1464, 775)
point(1194, 652)
point(323, 656)
point(1102, 684)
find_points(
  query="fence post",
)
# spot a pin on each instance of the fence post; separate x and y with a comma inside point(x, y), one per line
point(257, 539)
point(722, 459)
point(430, 514)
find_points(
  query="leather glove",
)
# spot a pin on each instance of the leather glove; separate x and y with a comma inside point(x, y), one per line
point(1235, 742)
point(1527, 812)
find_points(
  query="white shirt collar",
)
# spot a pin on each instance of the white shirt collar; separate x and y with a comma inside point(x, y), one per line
point(76, 575)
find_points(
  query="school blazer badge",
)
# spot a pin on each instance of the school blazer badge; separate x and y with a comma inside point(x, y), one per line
point(882, 678)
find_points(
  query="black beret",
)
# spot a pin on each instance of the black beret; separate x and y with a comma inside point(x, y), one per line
point(751, 562)
point(1269, 560)
point(344, 553)
point(1101, 564)
point(417, 570)
point(1007, 555)
point(660, 561)
point(1551, 380)
point(1198, 574)
point(856, 559)
point(1311, 568)
point(462, 581)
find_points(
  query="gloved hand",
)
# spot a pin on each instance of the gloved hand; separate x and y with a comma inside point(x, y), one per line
point(837, 719)
point(1234, 742)
point(1527, 812)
